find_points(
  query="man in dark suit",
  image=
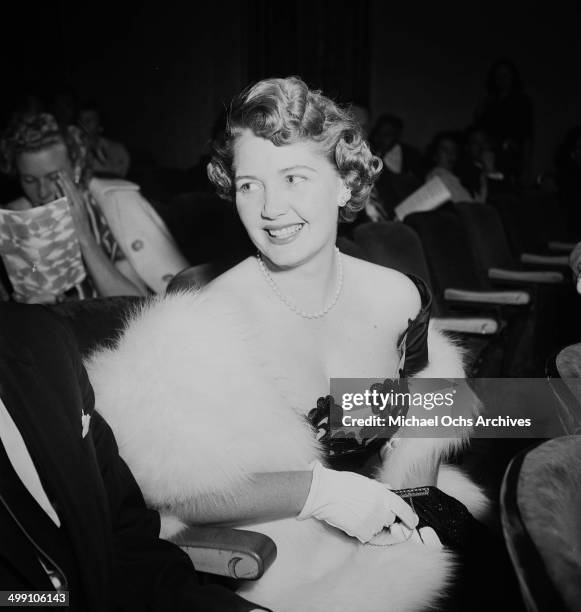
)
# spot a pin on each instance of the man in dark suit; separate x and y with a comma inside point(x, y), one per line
point(71, 514)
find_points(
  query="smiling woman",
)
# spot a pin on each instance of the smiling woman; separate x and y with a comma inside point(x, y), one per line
point(287, 198)
point(229, 378)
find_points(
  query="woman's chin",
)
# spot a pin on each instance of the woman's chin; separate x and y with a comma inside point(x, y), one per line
point(286, 255)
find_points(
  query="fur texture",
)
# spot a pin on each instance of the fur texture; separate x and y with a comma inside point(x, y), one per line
point(196, 410)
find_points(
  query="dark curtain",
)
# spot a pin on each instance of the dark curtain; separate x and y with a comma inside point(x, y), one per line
point(327, 43)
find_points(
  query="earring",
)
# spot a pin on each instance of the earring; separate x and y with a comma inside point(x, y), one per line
point(344, 197)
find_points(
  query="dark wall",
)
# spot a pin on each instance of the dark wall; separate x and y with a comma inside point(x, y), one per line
point(429, 63)
point(162, 73)
point(166, 75)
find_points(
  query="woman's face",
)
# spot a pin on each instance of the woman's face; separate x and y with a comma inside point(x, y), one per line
point(287, 198)
point(477, 144)
point(39, 170)
point(446, 154)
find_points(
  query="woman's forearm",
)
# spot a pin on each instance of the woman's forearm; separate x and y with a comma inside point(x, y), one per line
point(267, 496)
point(108, 280)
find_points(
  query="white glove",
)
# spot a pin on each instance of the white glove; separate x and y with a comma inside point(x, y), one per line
point(359, 506)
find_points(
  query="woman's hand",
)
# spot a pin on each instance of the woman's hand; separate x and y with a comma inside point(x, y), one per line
point(77, 206)
point(359, 506)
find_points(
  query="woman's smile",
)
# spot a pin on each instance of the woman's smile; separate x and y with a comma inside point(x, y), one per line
point(283, 234)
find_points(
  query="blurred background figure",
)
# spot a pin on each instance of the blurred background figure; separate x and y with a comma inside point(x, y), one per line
point(125, 246)
point(442, 157)
point(362, 115)
point(402, 163)
point(507, 116)
point(476, 167)
point(110, 158)
point(568, 176)
point(63, 107)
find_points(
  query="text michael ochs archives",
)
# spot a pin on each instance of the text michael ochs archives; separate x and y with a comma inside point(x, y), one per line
point(382, 404)
point(370, 409)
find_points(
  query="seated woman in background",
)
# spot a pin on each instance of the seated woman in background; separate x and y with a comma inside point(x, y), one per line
point(213, 396)
point(477, 166)
point(110, 158)
point(442, 156)
point(126, 248)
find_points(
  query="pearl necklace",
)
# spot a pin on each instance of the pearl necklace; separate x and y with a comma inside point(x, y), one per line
point(293, 307)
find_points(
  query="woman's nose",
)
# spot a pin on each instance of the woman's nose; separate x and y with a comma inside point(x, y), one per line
point(46, 191)
point(275, 203)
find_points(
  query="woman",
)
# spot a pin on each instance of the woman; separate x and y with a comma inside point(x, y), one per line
point(126, 248)
point(442, 153)
point(507, 116)
point(229, 379)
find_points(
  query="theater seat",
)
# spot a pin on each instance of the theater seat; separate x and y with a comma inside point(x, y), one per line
point(458, 261)
point(540, 502)
point(395, 245)
point(563, 372)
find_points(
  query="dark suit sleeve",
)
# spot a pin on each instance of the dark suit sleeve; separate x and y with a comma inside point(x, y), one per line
point(149, 573)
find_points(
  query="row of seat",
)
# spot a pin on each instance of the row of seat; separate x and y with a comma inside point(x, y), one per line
point(527, 303)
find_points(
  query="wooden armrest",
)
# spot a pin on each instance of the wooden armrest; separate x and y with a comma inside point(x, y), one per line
point(545, 260)
point(561, 247)
point(467, 325)
point(509, 298)
point(227, 552)
point(521, 276)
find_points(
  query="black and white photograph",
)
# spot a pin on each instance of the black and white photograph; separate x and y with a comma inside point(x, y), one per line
point(290, 306)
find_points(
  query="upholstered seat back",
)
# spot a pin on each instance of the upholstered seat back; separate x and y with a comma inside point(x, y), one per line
point(549, 497)
point(541, 513)
point(97, 321)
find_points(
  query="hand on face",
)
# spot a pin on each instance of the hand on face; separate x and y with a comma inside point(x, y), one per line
point(76, 204)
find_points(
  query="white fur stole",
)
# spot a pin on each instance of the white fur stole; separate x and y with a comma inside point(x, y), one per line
point(196, 410)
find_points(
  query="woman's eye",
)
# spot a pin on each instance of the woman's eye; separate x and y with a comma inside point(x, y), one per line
point(247, 187)
point(294, 179)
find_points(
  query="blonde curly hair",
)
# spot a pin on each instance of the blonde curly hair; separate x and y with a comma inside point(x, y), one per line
point(286, 111)
point(37, 132)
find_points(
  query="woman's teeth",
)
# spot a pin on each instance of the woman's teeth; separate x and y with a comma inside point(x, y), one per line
point(284, 232)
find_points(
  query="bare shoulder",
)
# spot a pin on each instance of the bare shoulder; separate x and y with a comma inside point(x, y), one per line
point(388, 290)
point(234, 284)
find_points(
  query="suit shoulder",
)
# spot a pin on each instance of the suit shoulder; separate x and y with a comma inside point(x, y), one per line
point(22, 321)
